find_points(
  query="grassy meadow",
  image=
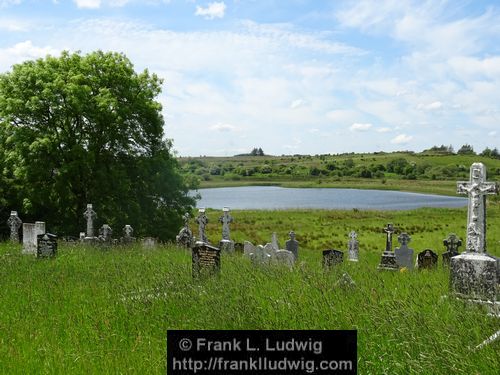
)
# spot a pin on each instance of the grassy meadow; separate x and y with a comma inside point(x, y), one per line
point(93, 310)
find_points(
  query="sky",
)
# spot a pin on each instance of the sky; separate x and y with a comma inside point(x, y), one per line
point(290, 77)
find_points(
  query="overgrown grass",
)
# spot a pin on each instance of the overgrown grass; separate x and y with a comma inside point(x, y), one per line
point(94, 310)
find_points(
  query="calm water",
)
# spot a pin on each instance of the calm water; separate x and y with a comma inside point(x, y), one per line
point(273, 197)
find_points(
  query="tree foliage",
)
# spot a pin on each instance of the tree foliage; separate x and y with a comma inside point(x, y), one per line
point(87, 129)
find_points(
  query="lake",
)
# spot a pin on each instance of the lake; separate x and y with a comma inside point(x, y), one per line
point(274, 197)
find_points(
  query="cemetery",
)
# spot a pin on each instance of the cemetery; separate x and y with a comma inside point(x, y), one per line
point(387, 274)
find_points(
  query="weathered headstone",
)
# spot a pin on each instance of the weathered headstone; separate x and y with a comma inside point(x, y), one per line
point(205, 259)
point(148, 243)
point(105, 233)
point(332, 257)
point(248, 248)
point(283, 257)
point(274, 241)
point(14, 223)
point(452, 243)
point(30, 233)
point(353, 247)
point(202, 221)
point(269, 249)
point(260, 256)
point(293, 245)
point(185, 237)
point(474, 273)
point(226, 244)
point(388, 260)
point(403, 254)
point(46, 245)
point(82, 236)
point(90, 215)
point(427, 259)
point(128, 232)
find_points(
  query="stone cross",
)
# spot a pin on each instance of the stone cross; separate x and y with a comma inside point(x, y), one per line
point(225, 219)
point(90, 215)
point(14, 223)
point(476, 188)
point(128, 231)
point(404, 239)
point(353, 246)
point(452, 243)
point(202, 221)
point(106, 232)
point(293, 245)
point(389, 230)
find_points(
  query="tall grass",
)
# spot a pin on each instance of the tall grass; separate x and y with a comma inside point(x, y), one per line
point(94, 310)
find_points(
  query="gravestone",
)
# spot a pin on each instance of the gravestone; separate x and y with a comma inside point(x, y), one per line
point(82, 236)
point(274, 241)
point(46, 245)
point(269, 249)
point(403, 254)
point(332, 257)
point(30, 233)
point(90, 215)
point(202, 221)
point(205, 259)
point(427, 259)
point(248, 248)
point(14, 223)
point(260, 256)
point(238, 247)
point(185, 237)
point(293, 245)
point(388, 260)
point(226, 244)
point(452, 243)
point(346, 282)
point(474, 273)
point(148, 243)
point(283, 257)
point(105, 233)
point(353, 247)
point(128, 232)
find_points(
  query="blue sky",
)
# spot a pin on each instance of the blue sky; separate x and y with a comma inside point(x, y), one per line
point(295, 76)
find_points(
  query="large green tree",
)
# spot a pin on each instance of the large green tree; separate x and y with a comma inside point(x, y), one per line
point(80, 129)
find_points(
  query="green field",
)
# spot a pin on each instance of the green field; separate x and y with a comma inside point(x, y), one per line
point(93, 310)
point(407, 171)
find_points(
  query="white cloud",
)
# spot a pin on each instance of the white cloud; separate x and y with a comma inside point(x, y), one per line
point(358, 127)
point(23, 51)
point(383, 130)
point(222, 127)
point(14, 24)
point(434, 106)
point(7, 3)
point(213, 10)
point(297, 103)
point(88, 4)
point(342, 116)
point(401, 139)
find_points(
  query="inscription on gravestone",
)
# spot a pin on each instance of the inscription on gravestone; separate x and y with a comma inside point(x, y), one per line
point(46, 245)
point(205, 259)
point(332, 257)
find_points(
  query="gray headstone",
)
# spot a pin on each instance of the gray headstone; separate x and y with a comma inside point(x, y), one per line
point(205, 260)
point(269, 248)
point(388, 260)
point(226, 246)
point(185, 237)
point(332, 258)
point(226, 219)
point(274, 241)
point(46, 245)
point(260, 256)
point(403, 254)
point(148, 243)
point(293, 245)
point(105, 233)
point(90, 216)
point(248, 248)
point(452, 243)
point(283, 257)
point(427, 259)
point(14, 223)
point(29, 238)
point(202, 221)
point(353, 247)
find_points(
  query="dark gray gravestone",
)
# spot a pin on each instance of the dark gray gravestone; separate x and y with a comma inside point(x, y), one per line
point(388, 260)
point(332, 257)
point(404, 255)
point(427, 259)
point(293, 245)
point(452, 244)
point(206, 259)
point(46, 245)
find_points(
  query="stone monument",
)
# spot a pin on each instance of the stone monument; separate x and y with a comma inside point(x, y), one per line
point(353, 247)
point(14, 223)
point(105, 233)
point(388, 261)
point(474, 273)
point(403, 254)
point(427, 259)
point(205, 260)
point(128, 232)
point(452, 243)
point(202, 221)
point(293, 245)
point(46, 245)
point(30, 233)
point(90, 215)
point(185, 237)
point(226, 244)
point(332, 257)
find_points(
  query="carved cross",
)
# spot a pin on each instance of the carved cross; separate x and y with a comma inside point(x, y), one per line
point(90, 215)
point(452, 243)
point(353, 235)
point(225, 219)
point(404, 239)
point(128, 230)
point(14, 223)
point(202, 221)
point(389, 230)
point(476, 188)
